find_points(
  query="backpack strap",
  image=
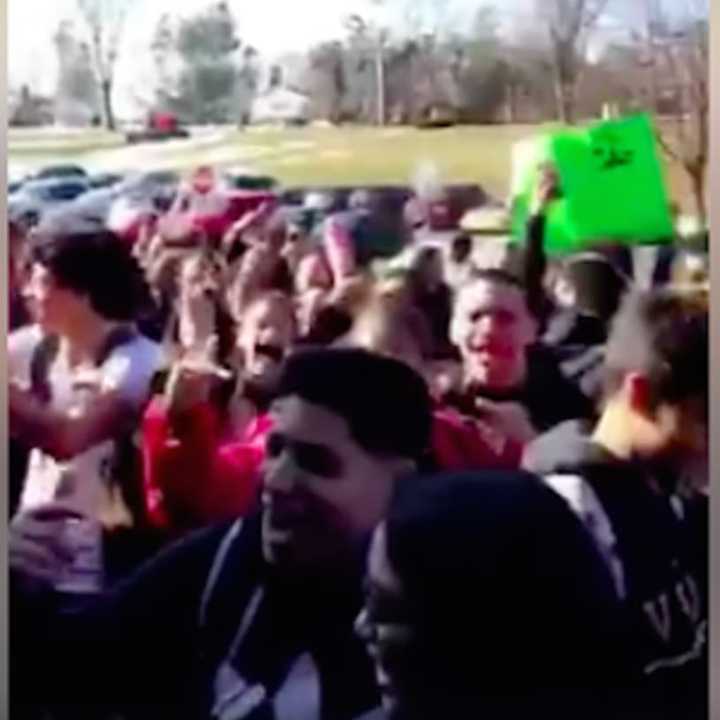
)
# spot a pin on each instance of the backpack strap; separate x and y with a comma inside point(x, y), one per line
point(126, 478)
point(43, 356)
point(215, 570)
point(46, 351)
point(119, 336)
point(236, 572)
point(223, 604)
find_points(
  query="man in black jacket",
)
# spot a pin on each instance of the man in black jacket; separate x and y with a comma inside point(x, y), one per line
point(633, 479)
point(213, 626)
point(511, 381)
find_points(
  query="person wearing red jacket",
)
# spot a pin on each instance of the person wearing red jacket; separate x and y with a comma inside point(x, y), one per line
point(201, 451)
point(389, 326)
point(202, 463)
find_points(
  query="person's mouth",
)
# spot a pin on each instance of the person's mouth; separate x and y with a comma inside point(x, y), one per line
point(266, 358)
point(281, 523)
point(274, 536)
point(482, 352)
point(274, 533)
point(488, 352)
point(384, 684)
point(270, 352)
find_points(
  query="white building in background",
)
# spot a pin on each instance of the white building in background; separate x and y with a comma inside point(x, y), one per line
point(72, 113)
point(280, 106)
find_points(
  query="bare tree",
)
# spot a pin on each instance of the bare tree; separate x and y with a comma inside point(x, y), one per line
point(248, 82)
point(328, 62)
point(76, 97)
point(680, 55)
point(376, 35)
point(568, 23)
point(105, 20)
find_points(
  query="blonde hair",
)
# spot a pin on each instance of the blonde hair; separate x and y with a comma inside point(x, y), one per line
point(390, 325)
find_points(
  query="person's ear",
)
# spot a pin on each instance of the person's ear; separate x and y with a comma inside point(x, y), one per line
point(636, 388)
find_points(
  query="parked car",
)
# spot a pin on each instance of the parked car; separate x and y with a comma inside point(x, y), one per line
point(128, 213)
point(156, 183)
point(60, 171)
point(154, 188)
point(242, 178)
point(17, 176)
point(94, 204)
point(66, 215)
point(444, 212)
point(215, 218)
point(36, 197)
point(105, 180)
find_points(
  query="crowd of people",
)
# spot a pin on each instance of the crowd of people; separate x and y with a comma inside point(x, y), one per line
point(280, 474)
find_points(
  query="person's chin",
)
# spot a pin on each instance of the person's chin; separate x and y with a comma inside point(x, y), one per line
point(396, 708)
point(491, 372)
point(480, 370)
point(276, 544)
point(389, 701)
point(272, 552)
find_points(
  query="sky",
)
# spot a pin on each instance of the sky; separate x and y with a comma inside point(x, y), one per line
point(275, 27)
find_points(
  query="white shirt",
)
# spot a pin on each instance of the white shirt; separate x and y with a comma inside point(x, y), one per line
point(81, 481)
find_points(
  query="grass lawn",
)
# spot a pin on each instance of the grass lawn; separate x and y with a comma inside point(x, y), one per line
point(309, 156)
point(31, 142)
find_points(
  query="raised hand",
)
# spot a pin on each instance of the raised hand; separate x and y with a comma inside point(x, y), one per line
point(192, 377)
point(508, 418)
point(547, 187)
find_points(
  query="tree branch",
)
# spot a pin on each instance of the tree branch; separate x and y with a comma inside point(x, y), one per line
point(593, 17)
point(669, 151)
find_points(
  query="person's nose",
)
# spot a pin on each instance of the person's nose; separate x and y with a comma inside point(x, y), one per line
point(281, 474)
point(28, 291)
point(362, 626)
point(484, 326)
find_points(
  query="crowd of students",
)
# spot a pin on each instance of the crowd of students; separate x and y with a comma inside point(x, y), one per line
point(464, 481)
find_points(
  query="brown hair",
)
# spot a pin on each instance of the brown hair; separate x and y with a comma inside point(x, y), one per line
point(663, 334)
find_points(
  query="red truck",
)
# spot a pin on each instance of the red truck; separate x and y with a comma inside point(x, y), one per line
point(158, 126)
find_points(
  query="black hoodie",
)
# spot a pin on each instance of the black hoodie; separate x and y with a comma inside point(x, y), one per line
point(657, 547)
point(547, 395)
point(151, 647)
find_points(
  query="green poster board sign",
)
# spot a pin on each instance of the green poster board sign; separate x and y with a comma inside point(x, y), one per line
point(528, 155)
point(612, 184)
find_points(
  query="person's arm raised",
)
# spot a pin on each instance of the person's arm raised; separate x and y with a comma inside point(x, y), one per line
point(253, 219)
point(535, 259)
